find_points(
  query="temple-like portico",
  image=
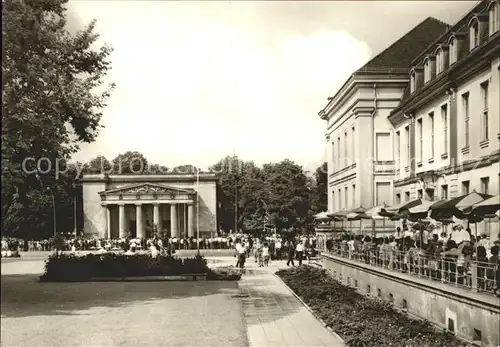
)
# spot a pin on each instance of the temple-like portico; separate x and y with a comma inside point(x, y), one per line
point(137, 209)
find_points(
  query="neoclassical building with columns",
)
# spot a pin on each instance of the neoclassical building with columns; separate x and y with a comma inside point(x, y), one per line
point(118, 205)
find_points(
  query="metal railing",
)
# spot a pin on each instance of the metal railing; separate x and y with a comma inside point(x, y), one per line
point(457, 271)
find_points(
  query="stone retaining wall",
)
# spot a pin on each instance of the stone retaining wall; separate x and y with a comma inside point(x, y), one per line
point(472, 316)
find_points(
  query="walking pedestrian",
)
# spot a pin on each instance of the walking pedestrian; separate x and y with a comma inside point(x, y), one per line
point(300, 252)
point(290, 253)
point(265, 254)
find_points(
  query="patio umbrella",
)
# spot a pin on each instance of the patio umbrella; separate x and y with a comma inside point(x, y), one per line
point(487, 207)
point(355, 213)
point(458, 207)
point(374, 212)
point(322, 216)
point(392, 211)
point(339, 216)
point(422, 210)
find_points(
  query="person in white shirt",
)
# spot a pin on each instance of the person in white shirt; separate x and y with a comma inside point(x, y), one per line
point(277, 247)
point(300, 252)
point(265, 254)
point(241, 251)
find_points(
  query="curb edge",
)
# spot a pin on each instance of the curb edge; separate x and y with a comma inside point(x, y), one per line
point(322, 322)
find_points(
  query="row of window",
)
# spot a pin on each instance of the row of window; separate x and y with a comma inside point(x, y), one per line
point(446, 55)
point(443, 129)
point(342, 203)
point(343, 151)
point(430, 194)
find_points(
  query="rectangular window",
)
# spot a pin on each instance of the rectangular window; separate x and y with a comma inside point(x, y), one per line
point(346, 152)
point(353, 146)
point(465, 187)
point(485, 185)
point(340, 199)
point(427, 71)
point(407, 196)
point(334, 202)
point(444, 192)
point(420, 129)
point(340, 164)
point(431, 121)
point(354, 195)
point(420, 194)
point(333, 157)
point(465, 112)
point(439, 62)
point(398, 199)
point(398, 149)
point(408, 153)
point(383, 149)
point(494, 17)
point(444, 118)
point(346, 198)
point(453, 52)
point(484, 118)
point(383, 191)
point(429, 194)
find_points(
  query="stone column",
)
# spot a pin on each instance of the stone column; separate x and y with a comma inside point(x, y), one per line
point(107, 234)
point(156, 216)
point(173, 220)
point(138, 221)
point(190, 221)
point(121, 220)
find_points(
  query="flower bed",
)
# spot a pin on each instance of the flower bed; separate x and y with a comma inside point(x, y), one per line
point(70, 267)
point(359, 320)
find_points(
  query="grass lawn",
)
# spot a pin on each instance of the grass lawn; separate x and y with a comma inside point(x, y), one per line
point(118, 313)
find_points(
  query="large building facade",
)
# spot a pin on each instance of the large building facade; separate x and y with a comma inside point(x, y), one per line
point(115, 206)
point(447, 134)
point(421, 119)
point(360, 157)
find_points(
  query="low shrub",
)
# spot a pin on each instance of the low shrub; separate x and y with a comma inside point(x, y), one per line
point(224, 273)
point(359, 320)
point(70, 267)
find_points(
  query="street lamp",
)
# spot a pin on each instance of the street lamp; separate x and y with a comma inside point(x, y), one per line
point(53, 209)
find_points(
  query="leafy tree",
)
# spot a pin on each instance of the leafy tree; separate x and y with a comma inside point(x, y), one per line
point(319, 199)
point(252, 198)
point(288, 197)
point(52, 100)
point(98, 165)
point(157, 169)
point(185, 169)
point(130, 162)
point(229, 172)
point(32, 217)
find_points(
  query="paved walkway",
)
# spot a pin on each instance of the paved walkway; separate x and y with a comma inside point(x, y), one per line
point(274, 317)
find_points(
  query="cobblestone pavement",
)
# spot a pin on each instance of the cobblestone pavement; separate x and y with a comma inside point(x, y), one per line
point(274, 317)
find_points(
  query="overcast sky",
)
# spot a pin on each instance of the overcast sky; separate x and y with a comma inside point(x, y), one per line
point(196, 80)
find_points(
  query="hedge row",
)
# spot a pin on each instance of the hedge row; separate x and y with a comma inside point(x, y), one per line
point(70, 267)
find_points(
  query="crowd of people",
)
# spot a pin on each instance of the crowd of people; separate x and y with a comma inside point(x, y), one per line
point(274, 247)
point(264, 249)
point(456, 257)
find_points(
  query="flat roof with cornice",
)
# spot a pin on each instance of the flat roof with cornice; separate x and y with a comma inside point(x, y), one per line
point(149, 178)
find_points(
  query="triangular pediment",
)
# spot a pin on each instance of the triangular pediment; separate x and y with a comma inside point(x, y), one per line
point(147, 188)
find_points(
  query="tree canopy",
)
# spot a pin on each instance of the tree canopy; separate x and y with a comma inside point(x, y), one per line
point(52, 99)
